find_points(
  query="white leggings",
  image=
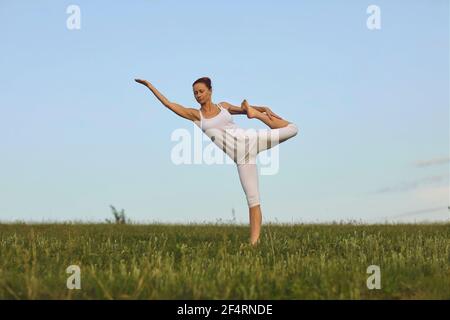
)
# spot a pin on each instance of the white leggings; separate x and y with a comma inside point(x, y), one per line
point(248, 171)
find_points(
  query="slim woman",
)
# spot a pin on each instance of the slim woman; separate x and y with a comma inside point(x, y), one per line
point(241, 145)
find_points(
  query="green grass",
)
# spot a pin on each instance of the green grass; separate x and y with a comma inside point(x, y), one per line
point(215, 262)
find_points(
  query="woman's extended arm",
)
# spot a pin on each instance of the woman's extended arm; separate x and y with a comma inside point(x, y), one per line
point(187, 113)
point(238, 110)
point(232, 109)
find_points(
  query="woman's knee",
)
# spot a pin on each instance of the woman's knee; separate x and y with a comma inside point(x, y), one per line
point(294, 128)
point(288, 132)
point(253, 199)
point(248, 174)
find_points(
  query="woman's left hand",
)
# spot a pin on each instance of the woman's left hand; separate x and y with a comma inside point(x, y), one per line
point(270, 113)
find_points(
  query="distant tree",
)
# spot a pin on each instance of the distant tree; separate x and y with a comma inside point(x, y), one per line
point(233, 215)
point(119, 217)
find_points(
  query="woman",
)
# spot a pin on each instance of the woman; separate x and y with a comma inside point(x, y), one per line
point(241, 145)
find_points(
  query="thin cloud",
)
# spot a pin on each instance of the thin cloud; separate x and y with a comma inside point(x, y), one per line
point(432, 162)
point(419, 212)
point(410, 185)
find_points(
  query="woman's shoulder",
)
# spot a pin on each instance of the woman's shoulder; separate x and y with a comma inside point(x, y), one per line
point(224, 105)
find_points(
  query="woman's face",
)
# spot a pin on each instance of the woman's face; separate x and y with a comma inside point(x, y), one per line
point(201, 92)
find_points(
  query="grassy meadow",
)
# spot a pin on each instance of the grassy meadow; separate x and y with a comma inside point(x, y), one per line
point(214, 261)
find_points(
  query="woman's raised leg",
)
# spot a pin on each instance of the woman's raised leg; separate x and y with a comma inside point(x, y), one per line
point(252, 113)
point(280, 129)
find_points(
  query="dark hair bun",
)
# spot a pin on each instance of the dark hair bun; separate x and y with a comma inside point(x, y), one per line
point(205, 80)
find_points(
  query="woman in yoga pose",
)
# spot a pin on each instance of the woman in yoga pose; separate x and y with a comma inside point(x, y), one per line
point(239, 144)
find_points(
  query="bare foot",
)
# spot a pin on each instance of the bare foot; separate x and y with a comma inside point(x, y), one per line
point(251, 112)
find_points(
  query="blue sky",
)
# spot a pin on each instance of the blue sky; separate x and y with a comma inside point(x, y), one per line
point(77, 134)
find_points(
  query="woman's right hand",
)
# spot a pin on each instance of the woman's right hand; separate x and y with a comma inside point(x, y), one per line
point(144, 82)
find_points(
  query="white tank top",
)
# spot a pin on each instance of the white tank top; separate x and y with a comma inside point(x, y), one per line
point(227, 135)
point(223, 120)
